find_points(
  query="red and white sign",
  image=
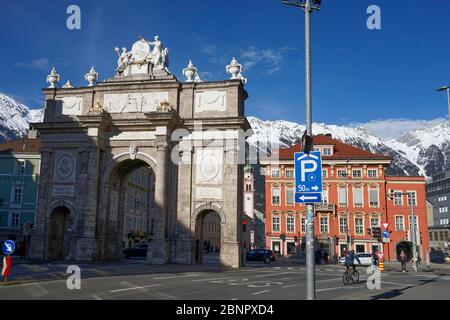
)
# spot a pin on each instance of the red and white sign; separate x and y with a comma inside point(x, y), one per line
point(380, 255)
point(385, 225)
point(6, 266)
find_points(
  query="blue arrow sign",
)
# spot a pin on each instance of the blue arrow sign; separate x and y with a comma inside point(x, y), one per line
point(308, 197)
point(386, 234)
point(8, 247)
point(308, 172)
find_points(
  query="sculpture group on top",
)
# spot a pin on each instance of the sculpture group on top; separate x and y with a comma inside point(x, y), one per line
point(143, 55)
point(147, 58)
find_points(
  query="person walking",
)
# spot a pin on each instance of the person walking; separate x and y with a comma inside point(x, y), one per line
point(325, 257)
point(374, 258)
point(403, 260)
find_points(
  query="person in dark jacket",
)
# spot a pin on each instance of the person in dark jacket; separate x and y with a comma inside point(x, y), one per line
point(403, 260)
point(350, 258)
point(374, 258)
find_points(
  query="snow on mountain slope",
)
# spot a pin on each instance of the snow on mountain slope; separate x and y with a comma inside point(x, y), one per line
point(282, 134)
point(428, 148)
point(15, 117)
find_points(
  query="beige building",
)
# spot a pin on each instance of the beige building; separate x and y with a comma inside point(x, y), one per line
point(94, 136)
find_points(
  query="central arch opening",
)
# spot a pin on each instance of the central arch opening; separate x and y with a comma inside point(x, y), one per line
point(208, 238)
point(131, 211)
point(58, 231)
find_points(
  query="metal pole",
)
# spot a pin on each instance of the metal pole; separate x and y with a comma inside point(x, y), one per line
point(413, 231)
point(310, 263)
point(448, 98)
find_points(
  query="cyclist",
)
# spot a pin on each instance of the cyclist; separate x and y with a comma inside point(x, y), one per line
point(350, 260)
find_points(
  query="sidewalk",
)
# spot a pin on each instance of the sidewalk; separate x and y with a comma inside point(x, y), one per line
point(396, 266)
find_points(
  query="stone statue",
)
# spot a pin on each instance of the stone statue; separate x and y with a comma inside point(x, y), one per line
point(124, 59)
point(159, 56)
point(133, 152)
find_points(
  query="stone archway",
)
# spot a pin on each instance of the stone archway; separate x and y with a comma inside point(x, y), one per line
point(122, 205)
point(208, 237)
point(58, 229)
point(407, 247)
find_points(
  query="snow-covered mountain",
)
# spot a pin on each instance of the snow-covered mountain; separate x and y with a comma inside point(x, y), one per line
point(423, 151)
point(15, 117)
point(428, 148)
point(285, 133)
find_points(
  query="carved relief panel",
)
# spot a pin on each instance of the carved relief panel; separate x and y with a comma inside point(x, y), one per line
point(211, 101)
point(72, 106)
point(134, 102)
point(64, 167)
point(209, 166)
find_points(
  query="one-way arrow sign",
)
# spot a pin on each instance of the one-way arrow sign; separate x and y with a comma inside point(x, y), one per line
point(308, 197)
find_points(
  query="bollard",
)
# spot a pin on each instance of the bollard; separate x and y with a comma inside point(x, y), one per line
point(381, 266)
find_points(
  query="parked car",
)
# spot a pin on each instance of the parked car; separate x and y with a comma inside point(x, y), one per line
point(260, 255)
point(365, 258)
point(139, 250)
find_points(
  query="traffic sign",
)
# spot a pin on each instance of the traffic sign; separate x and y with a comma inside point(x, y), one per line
point(308, 197)
point(380, 255)
point(386, 234)
point(385, 225)
point(8, 247)
point(308, 172)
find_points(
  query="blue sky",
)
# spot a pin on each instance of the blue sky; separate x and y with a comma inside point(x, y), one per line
point(360, 76)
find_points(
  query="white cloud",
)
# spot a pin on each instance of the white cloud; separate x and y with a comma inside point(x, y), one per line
point(273, 58)
point(36, 64)
point(394, 128)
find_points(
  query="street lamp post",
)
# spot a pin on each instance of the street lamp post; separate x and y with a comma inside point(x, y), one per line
point(412, 225)
point(308, 6)
point(446, 88)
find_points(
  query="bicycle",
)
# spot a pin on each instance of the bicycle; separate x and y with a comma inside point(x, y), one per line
point(352, 275)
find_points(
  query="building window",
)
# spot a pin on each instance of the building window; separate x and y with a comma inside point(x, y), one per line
point(325, 195)
point(276, 224)
point(324, 173)
point(357, 173)
point(431, 236)
point(323, 224)
point(359, 225)
point(303, 222)
point(276, 196)
point(399, 223)
point(373, 197)
point(20, 167)
point(290, 224)
point(413, 194)
point(290, 197)
point(289, 173)
point(342, 173)
point(342, 196)
point(374, 222)
point(16, 194)
point(360, 248)
point(275, 173)
point(343, 224)
point(14, 218)
point(372, 173)
point(327, 151)
point(357, 197)
point(398, 199)
point(248, 187)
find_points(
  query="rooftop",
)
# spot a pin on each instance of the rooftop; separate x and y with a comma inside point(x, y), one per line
point(24, 145)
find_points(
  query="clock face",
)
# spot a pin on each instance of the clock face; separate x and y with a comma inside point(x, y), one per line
point(140, 50)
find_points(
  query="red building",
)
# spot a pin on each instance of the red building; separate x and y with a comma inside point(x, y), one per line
point(355, 198)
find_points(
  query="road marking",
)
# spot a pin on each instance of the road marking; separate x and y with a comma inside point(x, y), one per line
point(211, 279)
point(255, 293)
point(273, 274)
point(175, 277)
point(136, 288)
point(291, 285)
point(290, 268)
point(399, 284)
point(329, 289)
point(234, 299)
point(277, 267)
point(96, 297)
point(334, 279)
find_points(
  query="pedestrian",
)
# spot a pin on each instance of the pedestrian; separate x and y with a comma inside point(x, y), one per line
point(374, 258)
point(325, 257)
point(403, 260)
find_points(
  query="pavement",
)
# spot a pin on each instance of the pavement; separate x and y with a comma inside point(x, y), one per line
point(134, 279)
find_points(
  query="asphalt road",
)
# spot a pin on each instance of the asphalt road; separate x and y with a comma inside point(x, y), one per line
point(254, 283)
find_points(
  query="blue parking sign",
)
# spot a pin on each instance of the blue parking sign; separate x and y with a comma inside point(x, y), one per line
point(8, 247)
point(308, 172)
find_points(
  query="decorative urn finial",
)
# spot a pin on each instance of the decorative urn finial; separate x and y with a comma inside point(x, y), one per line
point(91, 77)
point(189, 72)
point(234, 69)
point(68, 85)
point(197, 78)
point(53, 78)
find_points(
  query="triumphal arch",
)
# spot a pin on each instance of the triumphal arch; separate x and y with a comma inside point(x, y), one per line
point(93, 136)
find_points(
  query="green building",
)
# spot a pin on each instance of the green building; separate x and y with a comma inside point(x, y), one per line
point(19, 179)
